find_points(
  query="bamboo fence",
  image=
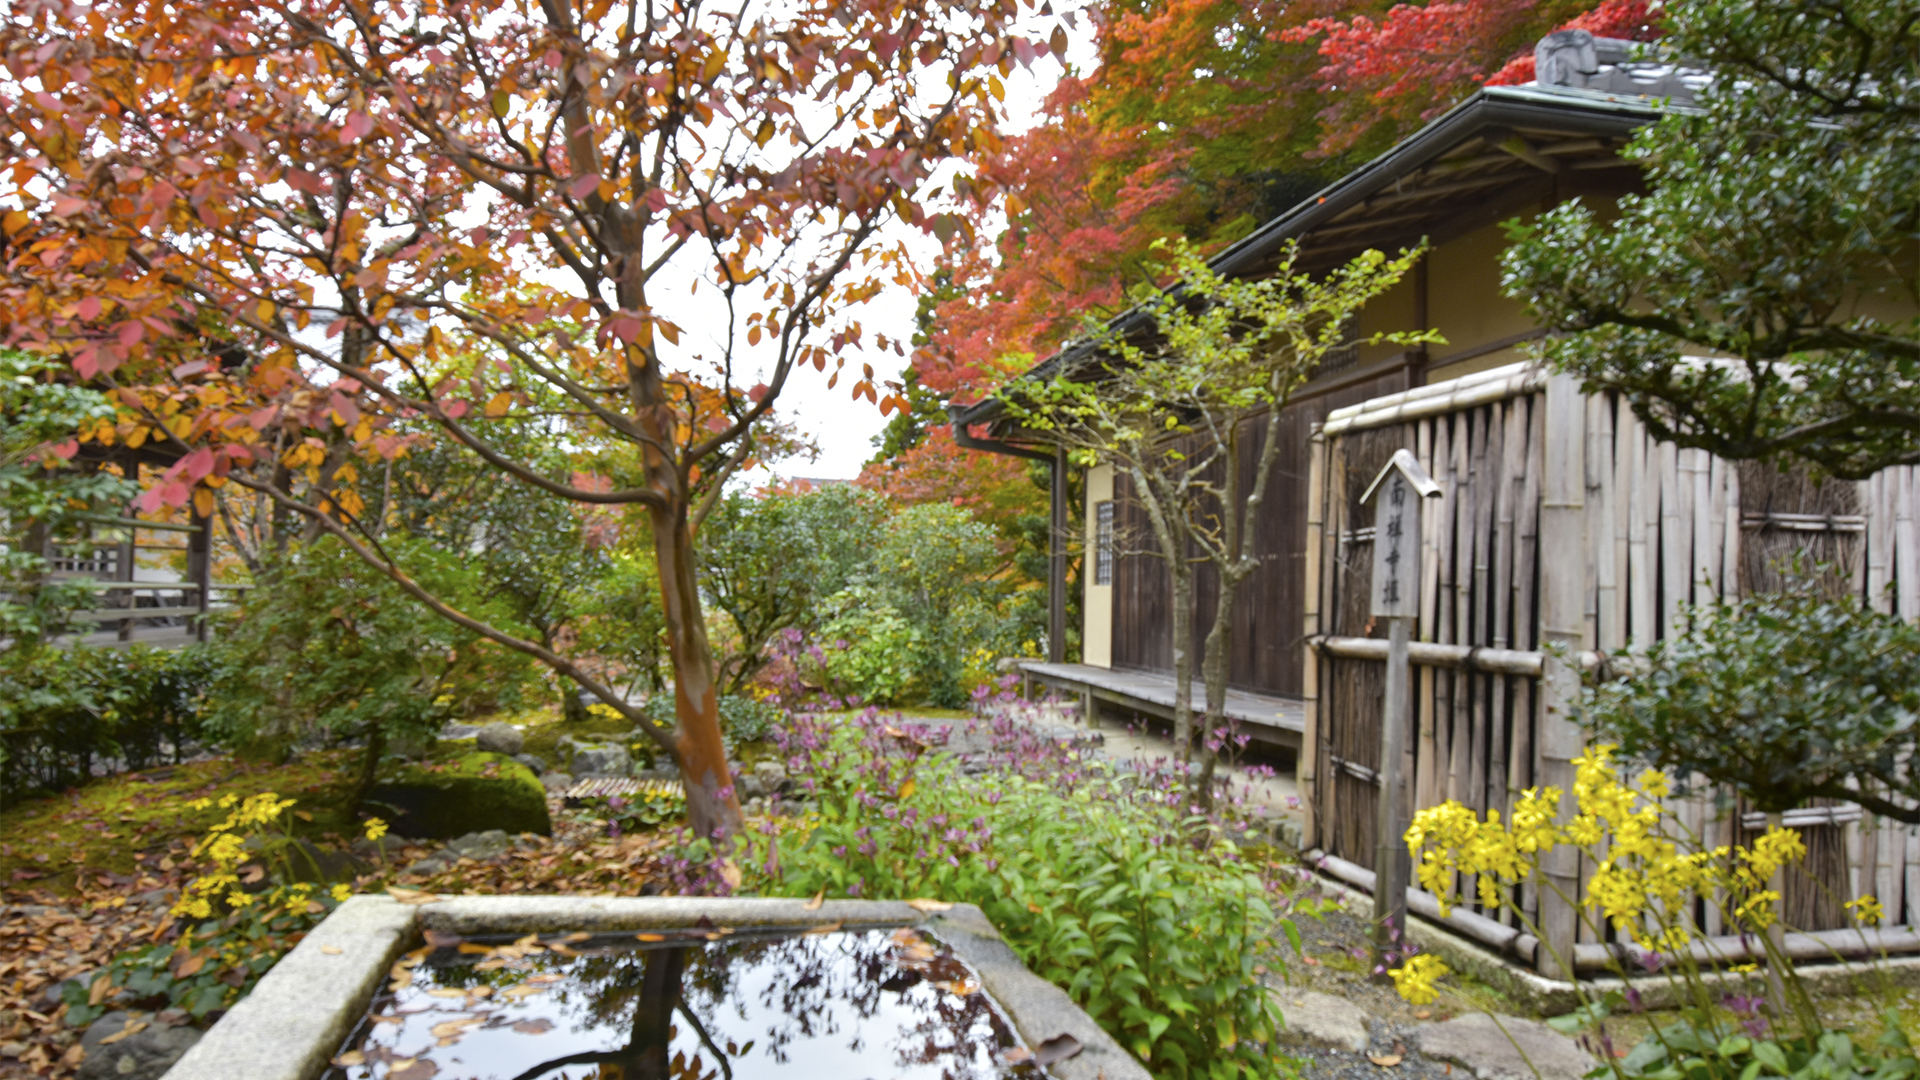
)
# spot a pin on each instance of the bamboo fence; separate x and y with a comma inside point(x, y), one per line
point(1564, 522)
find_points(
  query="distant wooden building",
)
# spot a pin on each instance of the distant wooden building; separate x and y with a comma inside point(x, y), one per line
point(1504, 152)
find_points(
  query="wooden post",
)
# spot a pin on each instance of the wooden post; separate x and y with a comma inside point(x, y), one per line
point(1305, 766)
point(1401, 487)
point(1563, 546)
point(1057, 562)
point(200, 569)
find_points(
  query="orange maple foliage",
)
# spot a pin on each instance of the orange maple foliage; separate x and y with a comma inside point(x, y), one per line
point(279, 228)
point(1204, 118)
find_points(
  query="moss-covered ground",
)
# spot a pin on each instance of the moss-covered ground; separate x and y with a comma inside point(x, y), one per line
point(132, 823)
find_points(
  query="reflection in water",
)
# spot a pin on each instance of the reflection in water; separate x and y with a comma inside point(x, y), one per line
point(696, 1005)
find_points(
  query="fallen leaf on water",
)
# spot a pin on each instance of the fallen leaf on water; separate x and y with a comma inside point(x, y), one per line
point(534, 1027)
point(562, 949)
point(134, 1028)
point(446, 992)
point(454, 1027)
point(923, 904)
point(1059, 1048)
point(518, 992)
point(478, 950)
point(573, 938)
point(440, 939)
point(417, 1069)
point(1014, 1055)
point(349, 1059)
point(829, 928)
point(1385, 1061)
point(814, 904)
point(332, 950)
point(651, 937)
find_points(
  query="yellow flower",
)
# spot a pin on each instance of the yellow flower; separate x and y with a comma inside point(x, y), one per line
point(1653, 784)
point(1867, 910)
point(376, 828)
point(1744, 969)
point(1415, 978)
point(341, 892)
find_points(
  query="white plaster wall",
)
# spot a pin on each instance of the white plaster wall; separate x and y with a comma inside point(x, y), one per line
point(1096, 607)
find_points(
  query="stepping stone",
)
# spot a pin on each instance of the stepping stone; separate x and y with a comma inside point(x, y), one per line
point(1476, 1042)
point(1318, 1019)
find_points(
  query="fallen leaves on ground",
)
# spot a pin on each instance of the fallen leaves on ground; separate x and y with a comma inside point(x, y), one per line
point(62, 917)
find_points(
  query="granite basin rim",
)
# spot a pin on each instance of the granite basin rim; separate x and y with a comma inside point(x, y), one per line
point(304, 1009)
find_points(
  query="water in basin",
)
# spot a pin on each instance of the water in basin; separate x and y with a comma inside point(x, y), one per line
point(701, 1004)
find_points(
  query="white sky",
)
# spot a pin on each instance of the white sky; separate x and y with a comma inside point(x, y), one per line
point(844, 428)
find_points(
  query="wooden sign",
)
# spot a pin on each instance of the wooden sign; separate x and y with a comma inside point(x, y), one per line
point(1400, 489)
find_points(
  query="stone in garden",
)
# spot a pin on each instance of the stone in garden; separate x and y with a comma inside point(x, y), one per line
point(475, 793)
point(52, 994)
point(455, 732)
point(436, 863)
point(600, 759)
point(500, 738)
point(1477, 1042)
point(378, 850)
point(532, 761)
point(556, 781)
point(481, 846)
point(1317, 1019)
point(772, 776)
point(144, 1055)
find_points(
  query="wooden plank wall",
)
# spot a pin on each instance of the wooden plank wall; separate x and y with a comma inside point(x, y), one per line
point(1267, 628)
point(1665, 526)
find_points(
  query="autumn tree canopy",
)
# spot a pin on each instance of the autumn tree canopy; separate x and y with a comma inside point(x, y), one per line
point(284, 231)
point(1203, 119)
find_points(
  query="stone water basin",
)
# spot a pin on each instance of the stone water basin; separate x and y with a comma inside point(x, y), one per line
point(889, 1002)
point(546, 987)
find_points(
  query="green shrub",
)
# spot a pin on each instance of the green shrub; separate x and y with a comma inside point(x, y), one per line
point(329, 648)
point(742, 719)
point(1786, 697)
point(1099, 880)
point(870, 651)
point(64, 710)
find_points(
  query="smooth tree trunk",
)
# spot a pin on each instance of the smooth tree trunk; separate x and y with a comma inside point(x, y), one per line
point(713, 809)
point(1165, 511)
point(1238, 516)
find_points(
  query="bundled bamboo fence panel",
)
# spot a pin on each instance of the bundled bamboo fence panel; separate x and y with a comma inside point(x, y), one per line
point(1646, 533)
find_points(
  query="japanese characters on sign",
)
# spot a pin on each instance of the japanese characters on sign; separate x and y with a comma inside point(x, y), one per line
point(1396, 565)
point(1397, 496)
